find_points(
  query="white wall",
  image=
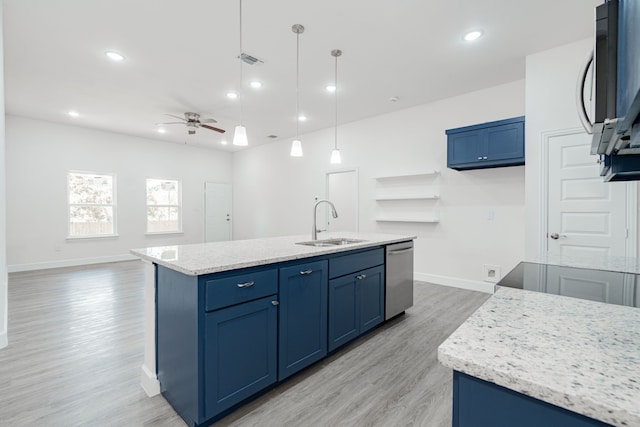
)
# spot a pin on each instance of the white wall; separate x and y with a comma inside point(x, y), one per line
point(3, 204)
point(39, 155)
point(550, 105)
point(273, 193)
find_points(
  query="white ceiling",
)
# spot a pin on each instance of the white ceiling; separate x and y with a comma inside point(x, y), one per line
point(181, 56)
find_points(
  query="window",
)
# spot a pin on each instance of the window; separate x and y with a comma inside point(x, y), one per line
point(92, 204)
point(164, 210)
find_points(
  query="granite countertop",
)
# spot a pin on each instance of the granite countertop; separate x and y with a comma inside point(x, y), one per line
point(204, 258)
point(580, 355)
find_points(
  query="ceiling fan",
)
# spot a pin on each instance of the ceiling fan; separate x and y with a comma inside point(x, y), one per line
point(193, 122)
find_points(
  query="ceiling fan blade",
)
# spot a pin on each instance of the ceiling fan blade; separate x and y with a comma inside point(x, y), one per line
point(176, 117)
point(170, 123)
point(209, 121)
point(212, 128)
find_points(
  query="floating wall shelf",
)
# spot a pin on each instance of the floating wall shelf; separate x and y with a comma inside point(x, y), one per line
point(408, 197)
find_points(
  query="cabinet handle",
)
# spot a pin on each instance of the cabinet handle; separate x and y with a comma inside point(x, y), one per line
point(484, 158)
point(361, 276)
point(306, 272)
point(480, 158)
point(245, 285)
point(275, 302)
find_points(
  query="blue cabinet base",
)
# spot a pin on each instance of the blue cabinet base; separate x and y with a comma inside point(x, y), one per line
point(478, 403)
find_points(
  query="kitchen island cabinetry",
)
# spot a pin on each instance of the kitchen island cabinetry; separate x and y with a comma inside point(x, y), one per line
point(302, 322)
point(232, 322)
point(356, 295)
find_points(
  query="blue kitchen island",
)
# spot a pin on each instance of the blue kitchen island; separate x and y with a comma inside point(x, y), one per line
point(527, 358)
point(232, 319)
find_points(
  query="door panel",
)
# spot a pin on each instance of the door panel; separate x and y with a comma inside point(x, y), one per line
point(587, 215)
point(217, 211)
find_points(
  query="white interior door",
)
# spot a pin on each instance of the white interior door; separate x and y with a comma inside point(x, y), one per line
point(342, 191)
point(586, 216)
point(217, 212)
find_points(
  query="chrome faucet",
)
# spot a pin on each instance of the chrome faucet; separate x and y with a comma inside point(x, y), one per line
point(334, 213)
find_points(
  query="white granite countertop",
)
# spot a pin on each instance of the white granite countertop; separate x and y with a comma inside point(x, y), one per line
point(580, 355)
point(204, 258)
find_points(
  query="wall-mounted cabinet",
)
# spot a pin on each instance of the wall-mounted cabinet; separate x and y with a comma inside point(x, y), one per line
point(487, 145)
point(407, 197)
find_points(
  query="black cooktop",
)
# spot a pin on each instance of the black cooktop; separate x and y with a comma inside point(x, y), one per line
point(612, 287)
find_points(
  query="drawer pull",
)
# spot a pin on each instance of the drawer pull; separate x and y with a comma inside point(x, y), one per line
point(361, 276)
point(245, 285)
point(275, 302)
point(306, 272)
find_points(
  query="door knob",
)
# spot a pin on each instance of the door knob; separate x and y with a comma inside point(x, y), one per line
point(556, 236)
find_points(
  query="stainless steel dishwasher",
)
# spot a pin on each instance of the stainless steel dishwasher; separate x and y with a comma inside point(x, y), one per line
point(399, 278)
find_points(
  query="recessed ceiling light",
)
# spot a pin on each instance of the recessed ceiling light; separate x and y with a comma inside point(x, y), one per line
point(162, 130)
point(473, 35)
point(232, 95)
point(224, 142)
point(114, 56)
point(302, 118)
point(330, 88)
point(256, 85)
point(74, 114)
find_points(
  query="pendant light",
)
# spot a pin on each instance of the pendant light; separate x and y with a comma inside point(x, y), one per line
point(335, 154)
point(240, 134)
point(296, 145)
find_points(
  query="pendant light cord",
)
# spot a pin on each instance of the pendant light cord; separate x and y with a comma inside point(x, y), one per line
point(297, 84)
point(336, 100)
point(240, 57)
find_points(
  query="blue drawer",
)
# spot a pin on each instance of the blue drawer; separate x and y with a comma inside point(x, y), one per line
point(240, 288)
point(347, 264)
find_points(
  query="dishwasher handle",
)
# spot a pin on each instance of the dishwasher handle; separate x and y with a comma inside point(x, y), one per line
point(400, 251)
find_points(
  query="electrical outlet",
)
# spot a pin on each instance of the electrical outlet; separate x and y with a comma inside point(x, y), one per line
point(492, 273)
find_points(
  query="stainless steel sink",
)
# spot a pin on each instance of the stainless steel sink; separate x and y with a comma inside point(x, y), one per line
point(330, 242)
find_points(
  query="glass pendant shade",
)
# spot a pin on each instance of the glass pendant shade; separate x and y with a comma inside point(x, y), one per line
point(296, 148)
point(240, 136)
point(335, 157)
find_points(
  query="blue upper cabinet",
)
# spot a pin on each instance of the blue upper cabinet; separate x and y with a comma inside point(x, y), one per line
point(628, 100)
point(487, 145)
point(303, 316)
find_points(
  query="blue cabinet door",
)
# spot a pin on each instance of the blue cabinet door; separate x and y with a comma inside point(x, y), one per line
point(343, 311)
point(466, 147)
point(239, 353)
point(371, 297)
point(505, 142)
point(478, 403)
point(302, 321)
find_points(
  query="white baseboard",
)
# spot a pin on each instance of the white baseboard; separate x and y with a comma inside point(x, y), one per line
point(472, 285)
point(3, 339)
point(149, 382)
point(15, 268)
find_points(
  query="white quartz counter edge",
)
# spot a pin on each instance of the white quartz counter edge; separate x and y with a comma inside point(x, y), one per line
point(580, 355)
point(205, 258)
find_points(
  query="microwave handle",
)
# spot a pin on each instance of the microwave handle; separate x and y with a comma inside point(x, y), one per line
point(582, 109)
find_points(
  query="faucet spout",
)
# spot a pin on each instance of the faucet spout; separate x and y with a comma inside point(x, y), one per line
point(334, 213)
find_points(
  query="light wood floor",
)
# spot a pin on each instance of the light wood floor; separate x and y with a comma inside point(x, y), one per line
point(76, 343)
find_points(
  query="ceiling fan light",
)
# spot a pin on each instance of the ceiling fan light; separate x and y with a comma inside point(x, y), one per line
point(240, 136)
point(335, 157)
point(296, 148)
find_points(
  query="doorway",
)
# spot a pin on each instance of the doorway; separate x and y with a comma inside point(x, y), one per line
point(217, 212)
point(342, 190)
point(585, 216)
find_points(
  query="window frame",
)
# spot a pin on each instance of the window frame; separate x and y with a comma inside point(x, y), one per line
point(113, 205)
point(178, 206)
